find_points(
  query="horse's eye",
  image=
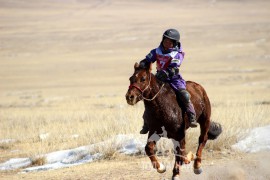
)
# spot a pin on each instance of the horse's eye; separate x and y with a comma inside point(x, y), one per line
point(143, 79)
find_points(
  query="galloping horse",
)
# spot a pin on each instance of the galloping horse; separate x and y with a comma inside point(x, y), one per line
point(162, 111)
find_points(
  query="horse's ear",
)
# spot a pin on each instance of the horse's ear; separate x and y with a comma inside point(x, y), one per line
point(136, 65)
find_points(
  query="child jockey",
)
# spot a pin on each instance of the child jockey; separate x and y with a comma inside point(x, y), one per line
point(169, 56)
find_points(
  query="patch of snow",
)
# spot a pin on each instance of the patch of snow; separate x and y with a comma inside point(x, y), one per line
point(15, 163)
point(43, 136)
point(66, 162)
point(257, 140)
point(74, 136)
point(2, 141)
point(126, 144)
point(129, 144)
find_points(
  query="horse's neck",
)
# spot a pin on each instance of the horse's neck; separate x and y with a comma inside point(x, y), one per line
point(157, 91)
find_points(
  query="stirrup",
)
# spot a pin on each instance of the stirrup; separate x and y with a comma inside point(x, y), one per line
point(193, 124)
point(192, 121)
point(144, 130)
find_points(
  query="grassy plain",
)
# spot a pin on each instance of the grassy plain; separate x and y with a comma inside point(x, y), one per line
point(64, 69)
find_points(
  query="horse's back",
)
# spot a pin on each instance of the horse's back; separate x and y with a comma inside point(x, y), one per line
point(195, 88)
point(199, 99)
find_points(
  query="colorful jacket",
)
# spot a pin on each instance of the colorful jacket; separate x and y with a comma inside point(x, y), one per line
point(167, 60)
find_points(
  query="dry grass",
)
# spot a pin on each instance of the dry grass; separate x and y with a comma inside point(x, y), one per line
point(5, 146)
point(73, 125)
point(38, 161)
point(69, 125)
point(64, 69)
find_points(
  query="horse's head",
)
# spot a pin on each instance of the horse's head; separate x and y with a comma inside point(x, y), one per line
point(139, 83)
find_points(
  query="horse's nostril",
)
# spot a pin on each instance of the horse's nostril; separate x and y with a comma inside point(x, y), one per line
point(130, 97)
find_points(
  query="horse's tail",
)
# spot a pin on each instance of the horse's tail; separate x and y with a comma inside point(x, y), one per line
point(215, 130)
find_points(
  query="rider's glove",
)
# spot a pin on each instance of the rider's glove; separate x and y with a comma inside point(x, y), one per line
point(162, 75)
point(172, 71)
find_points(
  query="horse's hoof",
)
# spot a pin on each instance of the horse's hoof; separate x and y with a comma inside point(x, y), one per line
point(176, 178)
point(161, 168)
point(197, 171)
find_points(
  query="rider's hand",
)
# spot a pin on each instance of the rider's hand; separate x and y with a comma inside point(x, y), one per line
point(162, 75)
point(172, 71)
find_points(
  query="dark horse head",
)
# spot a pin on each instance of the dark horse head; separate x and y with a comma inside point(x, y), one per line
point(139, 84)
point(166, 119)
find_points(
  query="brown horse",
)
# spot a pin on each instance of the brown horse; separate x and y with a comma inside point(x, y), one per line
point(162, 112)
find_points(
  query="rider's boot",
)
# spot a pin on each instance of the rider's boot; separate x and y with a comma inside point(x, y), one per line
point(145, 129)
point(184, 98)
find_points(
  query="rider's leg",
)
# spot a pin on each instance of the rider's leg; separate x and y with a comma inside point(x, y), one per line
point(145, 128)
point(184, 97)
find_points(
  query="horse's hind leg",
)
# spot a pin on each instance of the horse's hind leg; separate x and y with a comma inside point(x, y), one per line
point(150, 151)
point(204, 125)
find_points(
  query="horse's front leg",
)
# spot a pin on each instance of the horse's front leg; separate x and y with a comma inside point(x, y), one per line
point(180, 156)
point(150, 151)
point(179, 149)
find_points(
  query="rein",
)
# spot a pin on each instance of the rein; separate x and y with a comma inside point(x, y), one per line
point(142, 91)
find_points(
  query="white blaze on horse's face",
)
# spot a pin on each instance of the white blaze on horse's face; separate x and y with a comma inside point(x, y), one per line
point(138, 83)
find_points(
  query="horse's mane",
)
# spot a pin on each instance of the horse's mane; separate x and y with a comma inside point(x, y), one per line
point(167, 86)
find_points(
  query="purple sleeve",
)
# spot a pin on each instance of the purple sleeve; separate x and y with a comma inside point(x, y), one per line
point(151, 57)
point(177, 59)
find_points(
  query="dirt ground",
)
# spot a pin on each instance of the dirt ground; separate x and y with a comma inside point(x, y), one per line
point(69, 48)
point(217, 167)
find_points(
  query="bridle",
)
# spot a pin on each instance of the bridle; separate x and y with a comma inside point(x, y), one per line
point(142, 91)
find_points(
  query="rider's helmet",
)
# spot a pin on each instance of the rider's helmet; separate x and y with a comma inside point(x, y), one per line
point(172, 34)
